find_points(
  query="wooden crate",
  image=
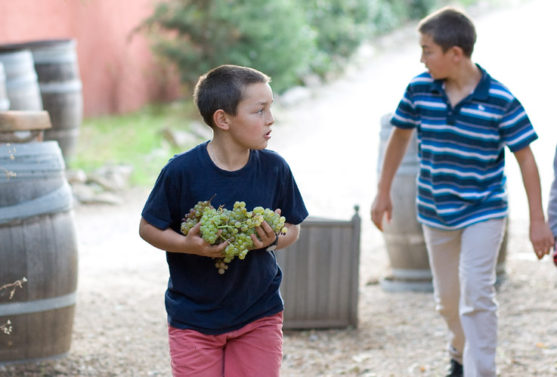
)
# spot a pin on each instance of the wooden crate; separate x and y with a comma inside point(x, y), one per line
point(321, 274)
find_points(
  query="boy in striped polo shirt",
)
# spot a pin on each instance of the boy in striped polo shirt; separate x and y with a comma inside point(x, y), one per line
point(464, 118)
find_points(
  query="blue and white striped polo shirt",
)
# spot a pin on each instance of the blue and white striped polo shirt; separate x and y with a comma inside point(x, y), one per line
point(461, 150)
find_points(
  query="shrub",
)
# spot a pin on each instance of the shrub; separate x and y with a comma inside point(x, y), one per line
point(340, 25)
point(271, 36)
point(387, 15)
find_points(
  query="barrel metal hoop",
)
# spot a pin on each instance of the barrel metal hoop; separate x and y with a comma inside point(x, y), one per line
point(59, 200)
point(404, 238)
point(60, 87)
point(24, 80)
point(36, 306)
point(411, 274)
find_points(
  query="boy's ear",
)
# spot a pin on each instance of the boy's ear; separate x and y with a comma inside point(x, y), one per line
point(221, 120)
point(457, 52)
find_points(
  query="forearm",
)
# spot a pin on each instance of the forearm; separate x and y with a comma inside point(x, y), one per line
point(540, 235)
point(531, 180)
point(166, 239)
point(394, 153)
point(291, 236)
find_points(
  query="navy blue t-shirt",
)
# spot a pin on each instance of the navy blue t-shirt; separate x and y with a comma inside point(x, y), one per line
point(198, 297)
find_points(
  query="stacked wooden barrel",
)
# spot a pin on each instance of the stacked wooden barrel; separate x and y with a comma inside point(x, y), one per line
point(44, 74)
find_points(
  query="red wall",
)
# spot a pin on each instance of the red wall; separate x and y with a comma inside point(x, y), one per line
point(118, 72)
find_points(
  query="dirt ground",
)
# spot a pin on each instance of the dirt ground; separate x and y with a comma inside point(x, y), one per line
point(120, 327)
point(120, 323)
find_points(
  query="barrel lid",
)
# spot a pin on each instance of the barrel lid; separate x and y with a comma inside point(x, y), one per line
point(21, 120)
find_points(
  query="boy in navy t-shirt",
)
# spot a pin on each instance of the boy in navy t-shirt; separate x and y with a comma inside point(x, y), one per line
point(225, 324)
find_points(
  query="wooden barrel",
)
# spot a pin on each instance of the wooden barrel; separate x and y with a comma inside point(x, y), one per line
point(404, 240)
point(22, 86)
point(4, 102)
point(38, 243)
point(321, 275)
point(57, 69)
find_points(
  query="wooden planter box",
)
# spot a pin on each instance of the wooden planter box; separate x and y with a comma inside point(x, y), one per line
point(321, 274)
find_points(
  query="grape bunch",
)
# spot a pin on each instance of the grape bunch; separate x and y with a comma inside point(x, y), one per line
point(236, 226)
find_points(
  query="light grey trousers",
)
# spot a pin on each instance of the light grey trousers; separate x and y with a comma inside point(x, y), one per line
point(463, 264)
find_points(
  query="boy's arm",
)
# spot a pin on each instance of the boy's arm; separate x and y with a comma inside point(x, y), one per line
point(171, 241)
point(540, 234)
point(394, 152)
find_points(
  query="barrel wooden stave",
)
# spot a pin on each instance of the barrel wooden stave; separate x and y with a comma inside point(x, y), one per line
point(57, 68)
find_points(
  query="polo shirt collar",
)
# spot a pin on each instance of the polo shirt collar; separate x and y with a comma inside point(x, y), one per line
point(481, 91)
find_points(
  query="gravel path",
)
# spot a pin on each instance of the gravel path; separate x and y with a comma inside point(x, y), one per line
point(120, 327)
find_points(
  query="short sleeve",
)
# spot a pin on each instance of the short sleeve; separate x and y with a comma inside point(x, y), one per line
point(157, 210)
point(405, 115)
point(515, 127)
point(290, 199)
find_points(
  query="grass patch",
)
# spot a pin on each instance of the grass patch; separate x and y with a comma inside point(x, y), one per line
point(134, 139)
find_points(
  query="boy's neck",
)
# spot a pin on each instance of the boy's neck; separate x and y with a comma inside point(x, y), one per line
point(227, 157)
point(463, 82)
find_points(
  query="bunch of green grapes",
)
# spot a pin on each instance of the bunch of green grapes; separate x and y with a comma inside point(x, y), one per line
point(235, 226)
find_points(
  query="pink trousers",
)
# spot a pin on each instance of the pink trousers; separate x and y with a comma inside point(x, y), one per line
point(255, 350)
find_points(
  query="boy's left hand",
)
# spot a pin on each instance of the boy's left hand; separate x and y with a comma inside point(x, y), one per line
point(541, 237)
point(265, 236)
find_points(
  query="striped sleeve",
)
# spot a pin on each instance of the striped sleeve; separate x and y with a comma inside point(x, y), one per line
point(515, 127)
point(405, 115)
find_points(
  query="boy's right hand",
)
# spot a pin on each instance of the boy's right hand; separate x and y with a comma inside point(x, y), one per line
point(381, 207)
point(195, 244)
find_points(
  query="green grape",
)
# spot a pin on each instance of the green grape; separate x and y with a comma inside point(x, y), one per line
point(235, 226)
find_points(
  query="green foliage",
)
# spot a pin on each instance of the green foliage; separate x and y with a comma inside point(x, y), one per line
point(387, 15)
point(340, 25)
point(271, 36)
point(283, 38)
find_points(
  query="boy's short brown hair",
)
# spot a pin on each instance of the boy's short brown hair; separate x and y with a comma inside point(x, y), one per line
point(223, 87)
point(450, 27)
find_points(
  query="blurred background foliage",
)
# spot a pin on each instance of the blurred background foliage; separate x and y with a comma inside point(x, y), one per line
point(196, 35)
point(286, 39)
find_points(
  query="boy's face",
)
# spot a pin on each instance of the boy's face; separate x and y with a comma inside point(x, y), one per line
point(250, 128)
point(437, 62)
